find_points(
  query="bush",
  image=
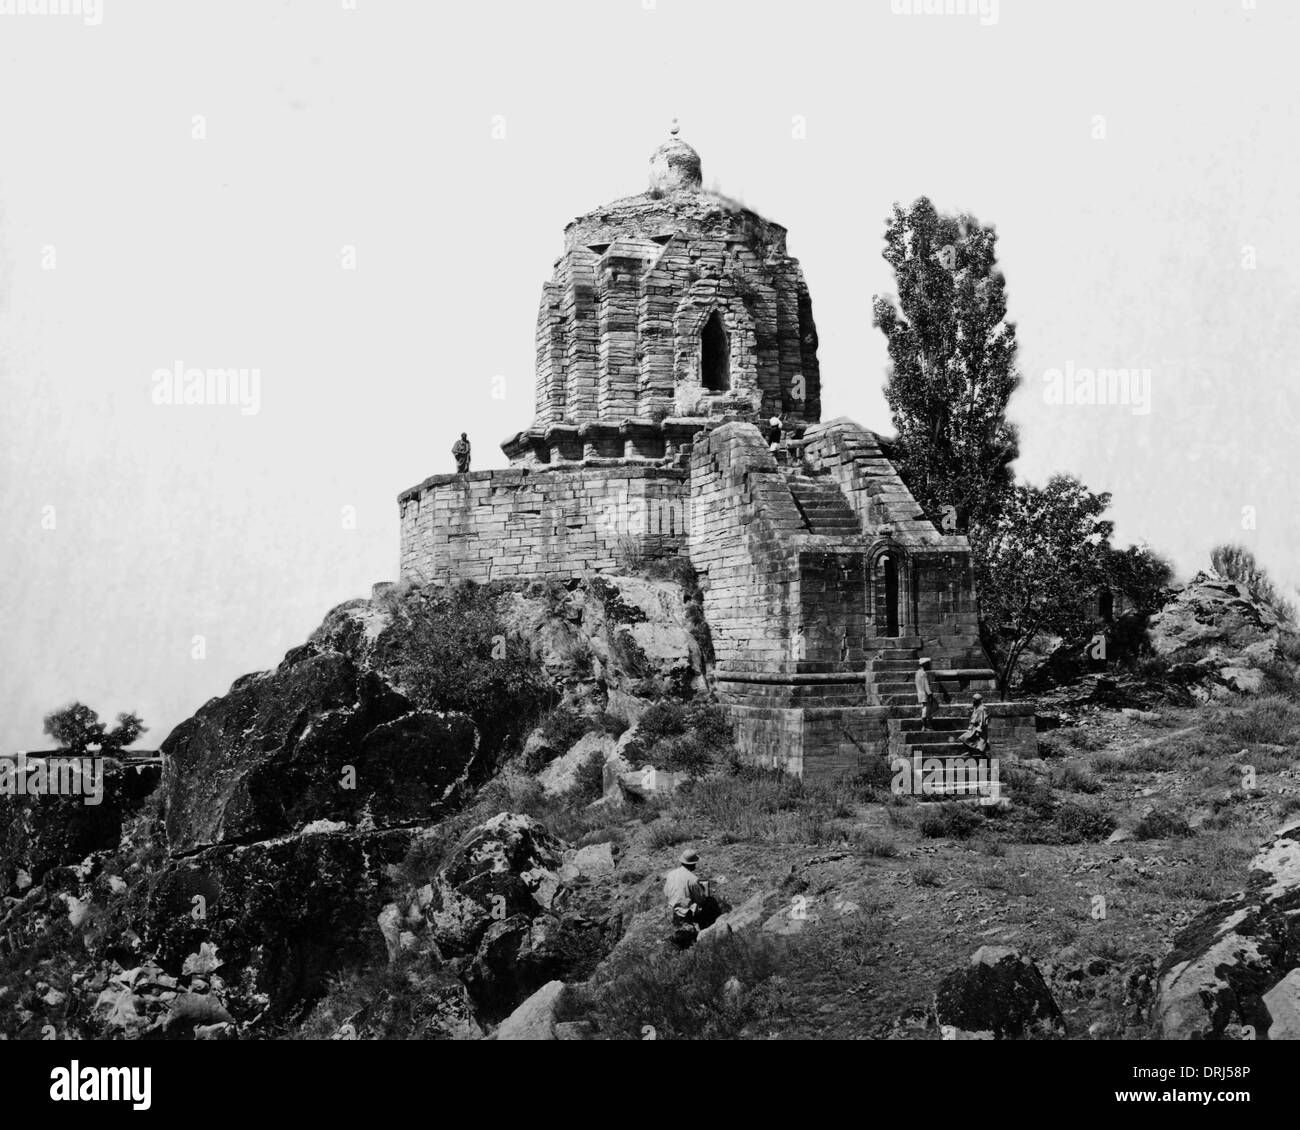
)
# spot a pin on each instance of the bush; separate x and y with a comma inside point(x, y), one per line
point(1041, 819)
point(449, 649)
point(561, 727)
point(589, 779)
point(1268, 721)
point(1075, 780)
point(667, 833)
point(1237, 563)
point(680, 996)
point(950, 820)
point(1161, 825)
point(557, 732)
point(681, 737)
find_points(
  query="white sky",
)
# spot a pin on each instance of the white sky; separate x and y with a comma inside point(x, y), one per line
point(373, 128)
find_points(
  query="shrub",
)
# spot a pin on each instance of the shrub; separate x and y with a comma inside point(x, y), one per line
point(680, 996)
point(1075, 780)
point(561, 727)
point(1161, 825)
point(1082, 823)
point(680, 737)
point(1081, 738)
point(1047, 821)
point(1237, 563)
point(666, 833)
point(950, 820)
point(449, 649)
point(589, 779)
point(869, 843)
point(1272, 720)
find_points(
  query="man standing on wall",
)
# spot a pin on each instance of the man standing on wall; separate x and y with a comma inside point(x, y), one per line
point(460, 449)
point(925, 691)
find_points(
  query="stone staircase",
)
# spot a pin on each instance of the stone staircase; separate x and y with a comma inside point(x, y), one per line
point(824, 509)
point(891, 682)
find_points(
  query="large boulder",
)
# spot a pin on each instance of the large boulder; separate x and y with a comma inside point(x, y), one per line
point(561, 775)
point(41, 832)
point(999, 994)
point(319, 738)
point(505, 867)
point(1210, 610)
point(1229, 958)
point(283, 914)
point(535, 1018)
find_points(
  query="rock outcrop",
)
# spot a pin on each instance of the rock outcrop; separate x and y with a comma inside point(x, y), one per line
point(319, 738)
point(999, 995)
point(615, 642)
point(38, 833)
point(1227, 961)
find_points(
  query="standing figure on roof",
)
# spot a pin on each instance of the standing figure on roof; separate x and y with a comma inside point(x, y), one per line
point(460, 449)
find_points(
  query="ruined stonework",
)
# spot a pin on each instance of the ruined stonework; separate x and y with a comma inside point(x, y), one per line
point(674, 325)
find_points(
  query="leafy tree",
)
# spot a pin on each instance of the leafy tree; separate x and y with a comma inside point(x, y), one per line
point(1140, 575)
point(1047, 547)
point(77, 729)
point(952, 356)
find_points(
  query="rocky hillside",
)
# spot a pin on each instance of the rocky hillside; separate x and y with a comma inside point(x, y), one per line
point(448, 815)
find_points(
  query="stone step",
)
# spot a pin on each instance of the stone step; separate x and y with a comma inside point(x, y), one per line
point(895, 643)
point(937, 749)
point(913, 725)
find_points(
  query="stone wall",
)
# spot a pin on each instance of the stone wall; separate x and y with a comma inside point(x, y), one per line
point(558, 522)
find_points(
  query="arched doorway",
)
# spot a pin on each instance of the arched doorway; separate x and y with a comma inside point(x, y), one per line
point(1106, 605)
point(887, 595)
point(715, 366)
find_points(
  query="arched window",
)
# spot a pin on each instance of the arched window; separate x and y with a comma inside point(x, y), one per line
point(714, 365)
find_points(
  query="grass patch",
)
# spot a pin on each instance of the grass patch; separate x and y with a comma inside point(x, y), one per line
point(950, 821)
point(1271, 720)
point(707, 993)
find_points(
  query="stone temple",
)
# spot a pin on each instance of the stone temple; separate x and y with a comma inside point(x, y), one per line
point(674, 325)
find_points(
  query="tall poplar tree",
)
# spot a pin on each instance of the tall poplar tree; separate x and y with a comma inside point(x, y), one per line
point(952, 355)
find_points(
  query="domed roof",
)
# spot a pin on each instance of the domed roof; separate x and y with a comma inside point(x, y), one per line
point(675, 166)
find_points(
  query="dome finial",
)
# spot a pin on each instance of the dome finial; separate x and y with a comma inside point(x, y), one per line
point(674, 166)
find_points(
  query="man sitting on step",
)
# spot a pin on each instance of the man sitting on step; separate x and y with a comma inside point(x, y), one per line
point(976, 736)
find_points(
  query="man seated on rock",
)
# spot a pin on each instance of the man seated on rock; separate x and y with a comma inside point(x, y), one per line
point(976, 735)
point(691, 907)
